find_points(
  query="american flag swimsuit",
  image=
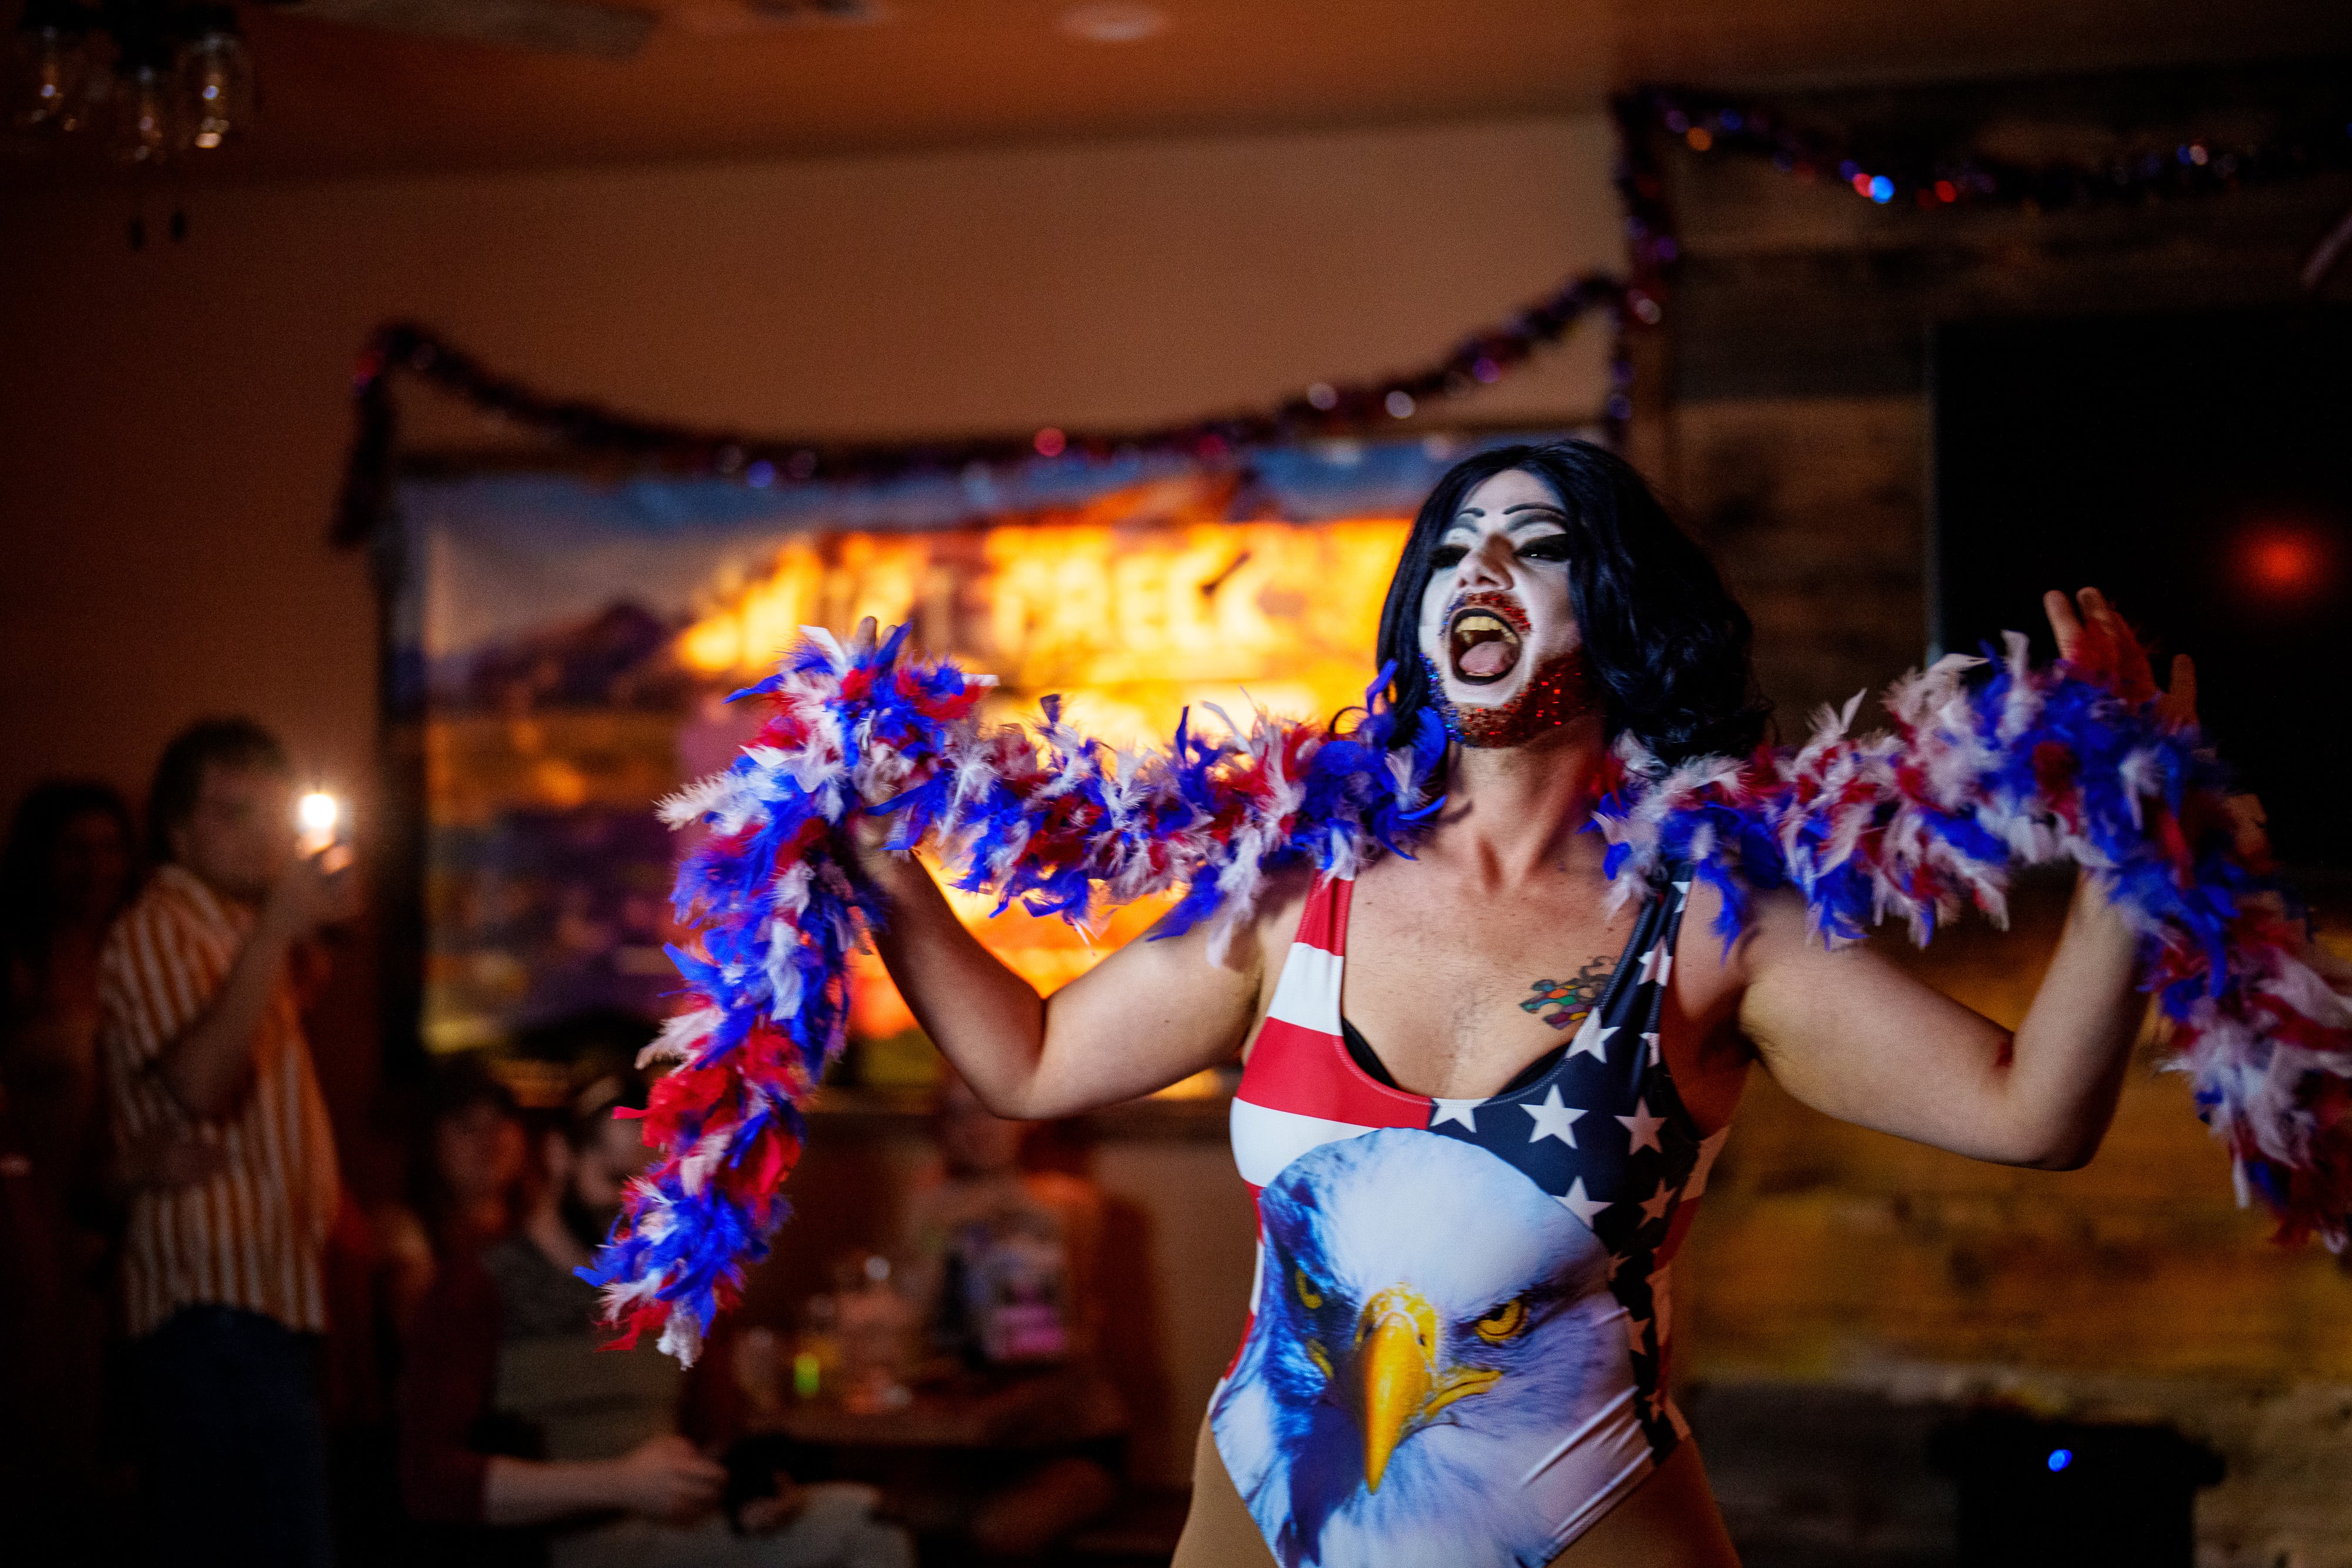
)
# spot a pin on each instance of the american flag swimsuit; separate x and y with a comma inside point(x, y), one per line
point(1457, 1348)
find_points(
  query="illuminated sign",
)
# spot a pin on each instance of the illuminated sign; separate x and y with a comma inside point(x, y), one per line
point(1132, 609)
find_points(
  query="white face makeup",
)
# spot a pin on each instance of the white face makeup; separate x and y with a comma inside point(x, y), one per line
point(1499, 618)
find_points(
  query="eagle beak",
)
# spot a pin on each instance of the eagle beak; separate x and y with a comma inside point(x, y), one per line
point(1396, 1360)
point(1399, 1385)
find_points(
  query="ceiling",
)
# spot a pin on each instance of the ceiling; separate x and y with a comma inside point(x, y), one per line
point(720, 80)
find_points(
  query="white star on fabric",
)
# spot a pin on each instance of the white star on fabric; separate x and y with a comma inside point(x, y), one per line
point(1462, 1110)
point(1592, 1040)
point(1553, 1119)
point(1683, 887)
point(1654, 1207)
point(1585, 1208)
point(1644, 1128)
point(1656, 964)
point(1652, 1041)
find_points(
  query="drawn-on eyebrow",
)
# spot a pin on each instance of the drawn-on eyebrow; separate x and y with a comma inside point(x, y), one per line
point(1545, 512)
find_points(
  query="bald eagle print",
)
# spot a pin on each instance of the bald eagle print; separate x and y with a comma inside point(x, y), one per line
point(1434, 1335)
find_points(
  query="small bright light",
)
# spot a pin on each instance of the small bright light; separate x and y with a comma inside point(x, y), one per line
point(319, 811)
point(1049, 442)
point(2060, 1459)
point(1882, 190)
point(1113, 21)
point(1399, 404)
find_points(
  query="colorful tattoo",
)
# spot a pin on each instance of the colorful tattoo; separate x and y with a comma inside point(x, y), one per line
point(1574, 999)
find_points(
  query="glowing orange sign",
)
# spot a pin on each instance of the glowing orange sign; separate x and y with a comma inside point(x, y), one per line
point(1133, 608)
point(1131, 620)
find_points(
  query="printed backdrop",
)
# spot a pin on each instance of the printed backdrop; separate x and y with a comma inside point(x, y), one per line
point(566, 647)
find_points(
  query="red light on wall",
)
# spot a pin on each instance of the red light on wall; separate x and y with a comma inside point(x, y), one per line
point(2283, 562)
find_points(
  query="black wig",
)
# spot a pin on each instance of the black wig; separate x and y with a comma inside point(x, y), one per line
point(1662, 638)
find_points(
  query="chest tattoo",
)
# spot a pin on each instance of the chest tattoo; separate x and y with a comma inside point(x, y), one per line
point(1572, 998)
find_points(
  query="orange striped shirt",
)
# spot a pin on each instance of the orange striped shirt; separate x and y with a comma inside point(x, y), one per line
point(251, 1236)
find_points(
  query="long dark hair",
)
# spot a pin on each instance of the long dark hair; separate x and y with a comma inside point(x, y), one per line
point(28, 915)
point(1664, 639)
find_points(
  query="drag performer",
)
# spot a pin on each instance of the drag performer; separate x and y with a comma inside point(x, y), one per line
point(1483, 1086)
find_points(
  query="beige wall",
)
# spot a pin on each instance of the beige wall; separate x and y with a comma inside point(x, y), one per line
point(172, 423)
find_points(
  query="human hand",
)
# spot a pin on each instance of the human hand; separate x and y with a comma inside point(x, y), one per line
point(2097, 643)
point(2101, 646)
point(320, 888)
point(667, 1479)
point(761, 1515)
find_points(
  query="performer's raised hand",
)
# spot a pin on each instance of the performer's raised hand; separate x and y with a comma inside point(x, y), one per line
point(2097, 643)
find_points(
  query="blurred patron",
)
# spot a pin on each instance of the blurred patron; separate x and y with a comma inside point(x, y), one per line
point(1004, 1263)
point(69, 865)
point(533, 1441)
point(468, 1184)
point(202, 1040)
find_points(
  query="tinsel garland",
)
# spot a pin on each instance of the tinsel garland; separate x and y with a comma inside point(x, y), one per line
point(1712, 123)
point(2315, 139)
point(2075, 763)
point(1322, 409)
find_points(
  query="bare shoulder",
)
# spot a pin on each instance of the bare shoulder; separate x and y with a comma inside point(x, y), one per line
point(1715, 957)
point(1279, 906)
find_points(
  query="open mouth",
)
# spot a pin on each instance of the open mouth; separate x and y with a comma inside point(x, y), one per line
point(1483, 645)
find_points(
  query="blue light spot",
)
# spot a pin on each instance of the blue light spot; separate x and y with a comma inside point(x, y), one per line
point(1882, 190)
point(1730, 119)
point(760, 474)
point(2060, 1459)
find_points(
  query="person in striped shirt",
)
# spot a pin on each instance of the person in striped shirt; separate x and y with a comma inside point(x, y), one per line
point(201, 1032)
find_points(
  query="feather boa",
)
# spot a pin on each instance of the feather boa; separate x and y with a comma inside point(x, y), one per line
point(2075, 763)
point(1050, 819)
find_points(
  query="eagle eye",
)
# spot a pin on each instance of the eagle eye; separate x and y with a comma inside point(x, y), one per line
point(1308, 1296)
point(1507, 1322)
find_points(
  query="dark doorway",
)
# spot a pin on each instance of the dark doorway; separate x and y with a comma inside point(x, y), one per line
point(2198, 468)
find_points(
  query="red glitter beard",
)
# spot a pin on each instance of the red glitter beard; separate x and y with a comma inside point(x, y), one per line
point(1560, 691)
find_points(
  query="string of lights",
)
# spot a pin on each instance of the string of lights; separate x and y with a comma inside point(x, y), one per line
point(2316, 139)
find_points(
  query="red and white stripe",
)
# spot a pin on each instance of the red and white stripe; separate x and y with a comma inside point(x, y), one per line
point(1300, 1089)
point(251, 1236)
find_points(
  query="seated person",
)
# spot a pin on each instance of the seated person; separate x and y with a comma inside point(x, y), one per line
point(513, 1417)
point(1003, 1262)
point(468, 1184)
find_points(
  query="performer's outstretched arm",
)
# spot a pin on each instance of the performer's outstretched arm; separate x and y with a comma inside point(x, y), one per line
point(1851, 1035)
point(1151, 1013)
